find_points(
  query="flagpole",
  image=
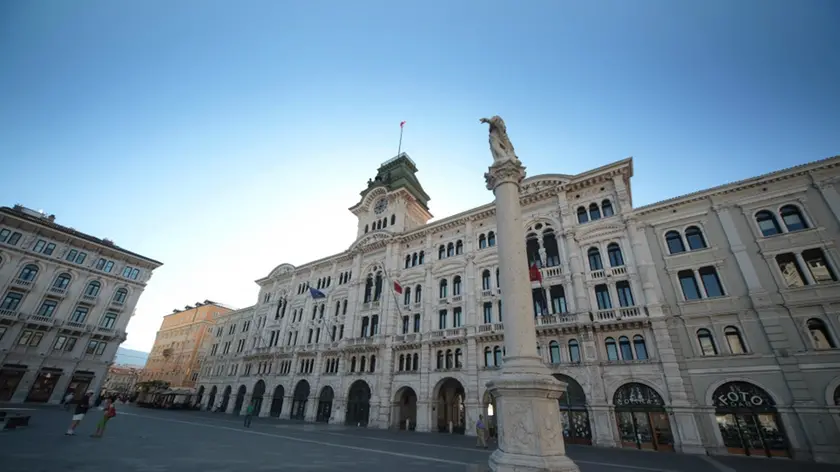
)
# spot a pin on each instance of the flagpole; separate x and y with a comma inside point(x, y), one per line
point(399, 148)
point(393, 292)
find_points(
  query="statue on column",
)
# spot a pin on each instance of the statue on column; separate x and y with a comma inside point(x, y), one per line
point(500, 145)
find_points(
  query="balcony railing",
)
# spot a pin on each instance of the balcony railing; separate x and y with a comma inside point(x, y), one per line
point(8, 314)
point(45, 320)
point(557, 319)
point(487, 293)
point(619, 270)
point(22, 283)
point(457, 298)
point(551, 272)
point(448, 333)
point(58, 291)
point(89, 298)
point(619, 313)
point(597, 274)
point(490, 327)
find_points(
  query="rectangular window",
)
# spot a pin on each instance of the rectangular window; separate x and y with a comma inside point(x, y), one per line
point(71, 344)
point(109, 266)
point(71, 256)
point(109, 320)
point(126, 271)
point(341, 332)
point(4, 235)
point(365, 323)
point(374, 325)
point(39, 246)
point(14, 238)
point(79, 315)
point(457, 319)
point(317, 335)
point(47, 308)
point(134, 274)
point(488, 312)
point(689, 285)
point(417, 323)
point(602, 295)
point(625, 295)
point(49, 249)
point(309, 338)
point(25, 337)
point(60, 342)
point(80, 259)
point(11, 302)
point(2, 332)
point(442, 319)
point(405, 323)
point(100, 348)
point(100, 264)
point(500, 311)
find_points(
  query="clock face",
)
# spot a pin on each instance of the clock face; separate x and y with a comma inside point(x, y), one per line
point(381, 205)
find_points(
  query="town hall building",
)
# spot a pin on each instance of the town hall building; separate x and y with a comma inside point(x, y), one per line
point(707, 323)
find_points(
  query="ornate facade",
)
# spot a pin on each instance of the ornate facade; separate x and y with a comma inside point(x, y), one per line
point(705, 323)
point(67, 299)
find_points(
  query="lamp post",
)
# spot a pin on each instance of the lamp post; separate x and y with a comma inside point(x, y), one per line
point(526, 394)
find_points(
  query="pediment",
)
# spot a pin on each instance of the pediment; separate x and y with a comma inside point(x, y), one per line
point(369, 239)
point(598, 231)
point(447, 267)
point(282, 269)
point(541, 182)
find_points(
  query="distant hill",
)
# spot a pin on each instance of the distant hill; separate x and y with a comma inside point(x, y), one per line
point(131, 357)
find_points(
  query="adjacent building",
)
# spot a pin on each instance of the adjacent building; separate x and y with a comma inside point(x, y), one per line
point(180, 344)
point(66, 300)
point(121, 379)
point(707, 323)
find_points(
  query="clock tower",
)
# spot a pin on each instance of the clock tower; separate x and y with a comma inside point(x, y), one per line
point(394, 200)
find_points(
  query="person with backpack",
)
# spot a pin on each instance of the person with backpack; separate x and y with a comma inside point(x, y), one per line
point(110, 412)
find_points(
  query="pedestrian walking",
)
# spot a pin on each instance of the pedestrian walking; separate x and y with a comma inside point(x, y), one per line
point(68, 399)
point(481, 432)
point(79, 413)
point(248, 413)
point(110, 412)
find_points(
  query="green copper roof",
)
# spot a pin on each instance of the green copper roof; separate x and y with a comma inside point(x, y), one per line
point(399, 172)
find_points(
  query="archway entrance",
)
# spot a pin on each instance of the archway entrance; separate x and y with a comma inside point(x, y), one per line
point(450, 406)
point(573, 413)
point(299, 398)
point(358, 404)
point(257, 397)
point(277, 401)
point(489, 412)
point(748, 421)
point(404, 409)
point(325, 401)
point(240, 398)
point(641, 418)
point(225, 399)
point(211, 402)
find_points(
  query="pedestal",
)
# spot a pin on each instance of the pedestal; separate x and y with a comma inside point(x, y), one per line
point(526, 394)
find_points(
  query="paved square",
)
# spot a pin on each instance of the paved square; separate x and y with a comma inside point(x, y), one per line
point(142, 440)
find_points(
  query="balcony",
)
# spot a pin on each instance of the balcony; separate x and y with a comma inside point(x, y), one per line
point(41, 320)
point(407, 338)
point(448, 333)
point(104, 330)
point(597, 274)
point(418, 305)
point(116, 304)
point(621, 313)
point(487, 293)
point(457, 298)
point(370, 305)
point(491, 327)
point(616, 271)
point(89, 298)
point(58, 292)
point(8, 314)
point(443, 301)
point(76, 325)
point(557, 319)
point(551, 272)
point(21, 283)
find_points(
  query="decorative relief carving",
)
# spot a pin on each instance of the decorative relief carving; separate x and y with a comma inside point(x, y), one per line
point(520, 425)
point(508, 171)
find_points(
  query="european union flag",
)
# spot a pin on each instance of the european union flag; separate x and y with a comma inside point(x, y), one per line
point(316, 294)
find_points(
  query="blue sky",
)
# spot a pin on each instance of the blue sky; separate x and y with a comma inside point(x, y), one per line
point(224, 138)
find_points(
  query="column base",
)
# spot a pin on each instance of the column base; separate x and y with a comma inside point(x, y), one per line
point(530, 432)
point(507, 462)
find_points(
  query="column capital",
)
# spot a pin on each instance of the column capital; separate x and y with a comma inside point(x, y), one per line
point(508, 171)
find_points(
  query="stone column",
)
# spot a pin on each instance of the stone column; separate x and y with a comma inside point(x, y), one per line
point(530, 434)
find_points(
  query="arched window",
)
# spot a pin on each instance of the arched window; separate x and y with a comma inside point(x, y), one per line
point(353, 364)
point(459, 247)
point(594, 259)
point(416, 362)
point(624, 347)
point(614, 254)
point(734, 341)
point(414, 259)
point(393, 219)
point(92, 289)
point(612, 349)
point(554, 352)
point(583, 217)
point(594, 212)
point(488, 357)
point(792, 218)
point(121, 294)
point(29, 273)
point(337, 308)
point(458, 355)
point(767, 223)
point(366, 228)
point(422, 256)
point(362, 363)
point(707, 342)
point(450, 250)
point(607, 209)
point(407, 296)
point(372, 363)
point(497, 356)
point(378, 288)
point(443, 288)
point(694, 238)
point(62, 281)
point(402, 362)
point(441, 252)
point(485, 280)
point(819, 334)
point(674, 242)
point(482, 241)
point(368, 288)
point(574, 351)
point(498, 285)
point(491, 239)
point(440, 359)
point(688, 283)
point(456, 285)
point(640, 347)
point(407, 261)
point(378, 226)
point(449, 358)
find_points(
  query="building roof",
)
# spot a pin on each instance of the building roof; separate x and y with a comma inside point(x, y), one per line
point(26, 214)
